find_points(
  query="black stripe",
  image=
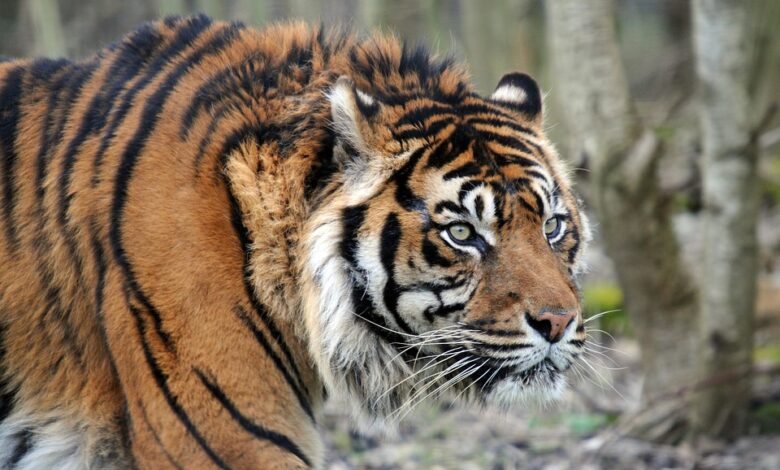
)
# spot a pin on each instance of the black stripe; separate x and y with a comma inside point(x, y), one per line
point(432, 255)
point(444, 310)
point(10, 97)
point(184, 38)
point(418, 116)
point(468, 169)
point(514, 185)
point(22, 447)
point(403, 193)
point(207, 138)
point(260, 337)
point(50, 135)
point(467, 187)
point(148, 121)
point(389, 243)
point(258, 132)
point(278, 439)
point(493, 332)
point(423, 131)
point(504, 159)
point(365, 311)
point(501, 346)
point(537, 174)
point(162, 383)
point(124, 66)
point(575, 248)
point(479, 205)
point(494, 122)
point(362, 305)
point(507, 141)
point(450, 206)
point(237, 84)
point(527, 205)
point(294, 373)
point(539, 201)
point(352, 220)
point(70, 85)
point(483, 108)
point(7, 396)
point(451, 149)
point(157, 439)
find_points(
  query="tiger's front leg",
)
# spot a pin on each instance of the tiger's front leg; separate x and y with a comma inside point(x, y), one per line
point(211, 378)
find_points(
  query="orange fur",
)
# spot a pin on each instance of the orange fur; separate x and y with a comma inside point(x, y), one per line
point(157, 199)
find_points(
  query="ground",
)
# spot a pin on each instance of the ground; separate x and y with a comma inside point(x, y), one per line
point(582, 432)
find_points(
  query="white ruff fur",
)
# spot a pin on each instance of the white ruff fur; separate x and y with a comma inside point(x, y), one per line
point(338, 341)
point(55, 442)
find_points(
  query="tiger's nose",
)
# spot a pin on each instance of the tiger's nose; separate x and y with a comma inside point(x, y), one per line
point(551, 323)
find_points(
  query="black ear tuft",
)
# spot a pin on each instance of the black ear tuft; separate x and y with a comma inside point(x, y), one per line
point(521, 92)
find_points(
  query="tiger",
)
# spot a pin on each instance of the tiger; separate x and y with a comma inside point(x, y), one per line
point(208, 230)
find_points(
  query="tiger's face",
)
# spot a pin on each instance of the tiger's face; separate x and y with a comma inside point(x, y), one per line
point(443, 261)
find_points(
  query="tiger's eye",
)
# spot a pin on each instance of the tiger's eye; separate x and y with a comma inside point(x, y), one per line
point(460, 232)
point(551, 226)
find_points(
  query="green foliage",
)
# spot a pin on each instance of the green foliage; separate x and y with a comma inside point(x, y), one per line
point(767, 354)
point(770, 182)
point(682, 202)
point(578, 424)
point(767, 418)
point(603, 297)
point(665, 132)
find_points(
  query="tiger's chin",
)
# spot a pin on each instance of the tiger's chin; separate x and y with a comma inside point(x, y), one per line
point(538, 386)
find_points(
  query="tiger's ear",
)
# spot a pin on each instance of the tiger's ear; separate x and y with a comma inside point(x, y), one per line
point(519, 91)
point(352, 112)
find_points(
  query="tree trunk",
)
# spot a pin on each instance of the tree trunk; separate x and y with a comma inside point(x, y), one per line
point(635, 222)
point(47, 28)
point(724, 56)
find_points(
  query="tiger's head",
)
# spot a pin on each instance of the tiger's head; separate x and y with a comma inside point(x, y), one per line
point(442, 260)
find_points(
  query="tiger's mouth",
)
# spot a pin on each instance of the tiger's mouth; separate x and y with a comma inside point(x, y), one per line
point(541, 372)
point(536, 375)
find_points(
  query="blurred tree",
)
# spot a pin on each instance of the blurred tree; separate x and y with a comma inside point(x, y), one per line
point(623, 154)
point(681, 327)
point(44, 17)
point(725, 51)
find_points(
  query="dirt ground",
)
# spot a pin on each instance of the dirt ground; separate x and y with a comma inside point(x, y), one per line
point(579, 433)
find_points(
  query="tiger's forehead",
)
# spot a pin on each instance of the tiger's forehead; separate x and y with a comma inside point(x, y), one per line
point(477, 168)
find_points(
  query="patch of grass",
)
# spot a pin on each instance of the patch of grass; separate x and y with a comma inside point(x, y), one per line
point(770, 182)
point(682, 202)
point(665, 132)
point(578, 424)
point(589, 424)
point(342, 441)
point(767, 418)
point(767, 354)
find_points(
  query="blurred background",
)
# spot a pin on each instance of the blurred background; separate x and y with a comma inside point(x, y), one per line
point(666, 111)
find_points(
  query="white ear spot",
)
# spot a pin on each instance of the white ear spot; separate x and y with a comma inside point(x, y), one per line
point(509, 94)
point(521, 92)
point(366, 99)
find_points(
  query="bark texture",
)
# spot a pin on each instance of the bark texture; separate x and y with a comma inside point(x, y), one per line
point(635, 221)
point(724, 59)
